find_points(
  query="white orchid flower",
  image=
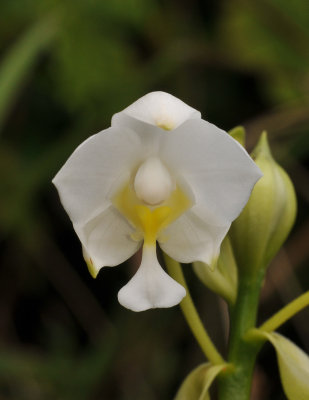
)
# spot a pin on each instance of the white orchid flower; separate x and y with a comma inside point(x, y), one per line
point(159, 174)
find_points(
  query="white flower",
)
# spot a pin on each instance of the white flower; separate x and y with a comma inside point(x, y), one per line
point(159, 174)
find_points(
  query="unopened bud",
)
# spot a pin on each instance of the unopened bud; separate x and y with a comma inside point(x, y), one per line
point(262, 227)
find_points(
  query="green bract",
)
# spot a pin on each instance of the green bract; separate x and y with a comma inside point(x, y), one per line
point(293, 365)
point(260, 230)
point(197, 383)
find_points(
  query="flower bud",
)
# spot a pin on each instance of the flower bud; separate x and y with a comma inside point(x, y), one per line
point(238, 133)
point(260, 230)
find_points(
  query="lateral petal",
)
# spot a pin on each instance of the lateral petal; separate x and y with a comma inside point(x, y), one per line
point(189, 238)
point(107, 240)
point(218, 170)
point(95, 170)
point(151, 286)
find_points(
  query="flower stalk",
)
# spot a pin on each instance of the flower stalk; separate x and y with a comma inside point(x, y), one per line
point(285, 313)
point(191, 315)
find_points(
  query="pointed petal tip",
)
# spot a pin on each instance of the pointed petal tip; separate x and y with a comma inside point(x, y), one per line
point(214, 262)
point(55, 179)
point(211, 262)
point(92, 268)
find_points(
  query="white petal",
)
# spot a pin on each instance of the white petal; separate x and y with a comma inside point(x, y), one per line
point(190, 238)
point(158, 108)
point(106, 240)
point(222, 279)
point(293, 366)
point(219, 171)
point(151, 286)
point(95, 170)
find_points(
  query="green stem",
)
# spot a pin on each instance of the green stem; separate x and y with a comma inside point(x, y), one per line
point(191, 315)
point(286, 313)
point(236, 383)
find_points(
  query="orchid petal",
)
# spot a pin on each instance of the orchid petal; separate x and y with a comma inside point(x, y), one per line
point(160, 109)
point(222, 279)
point(189, 238)
point(107, 240)
point(151, 286)
point(95, 170)
point(150, 135)
point(219, 171)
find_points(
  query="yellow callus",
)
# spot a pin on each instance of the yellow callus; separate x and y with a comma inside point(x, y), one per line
point(150, 221)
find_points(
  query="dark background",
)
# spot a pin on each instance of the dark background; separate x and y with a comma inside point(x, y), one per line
point(65, 68)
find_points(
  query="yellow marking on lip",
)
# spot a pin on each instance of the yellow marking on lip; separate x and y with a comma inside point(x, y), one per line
point(166, 126)
point(150, 221)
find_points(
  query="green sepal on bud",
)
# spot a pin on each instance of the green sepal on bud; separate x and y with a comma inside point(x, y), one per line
point(223, 278)
point(262, 227)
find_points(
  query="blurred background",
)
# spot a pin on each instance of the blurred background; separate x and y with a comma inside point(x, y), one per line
point(65, 68)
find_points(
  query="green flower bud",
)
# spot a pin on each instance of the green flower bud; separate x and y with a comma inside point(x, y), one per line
point(262, 227)
point(238, 133)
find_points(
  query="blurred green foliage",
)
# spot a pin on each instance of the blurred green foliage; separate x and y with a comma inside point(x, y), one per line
point(65, 68)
